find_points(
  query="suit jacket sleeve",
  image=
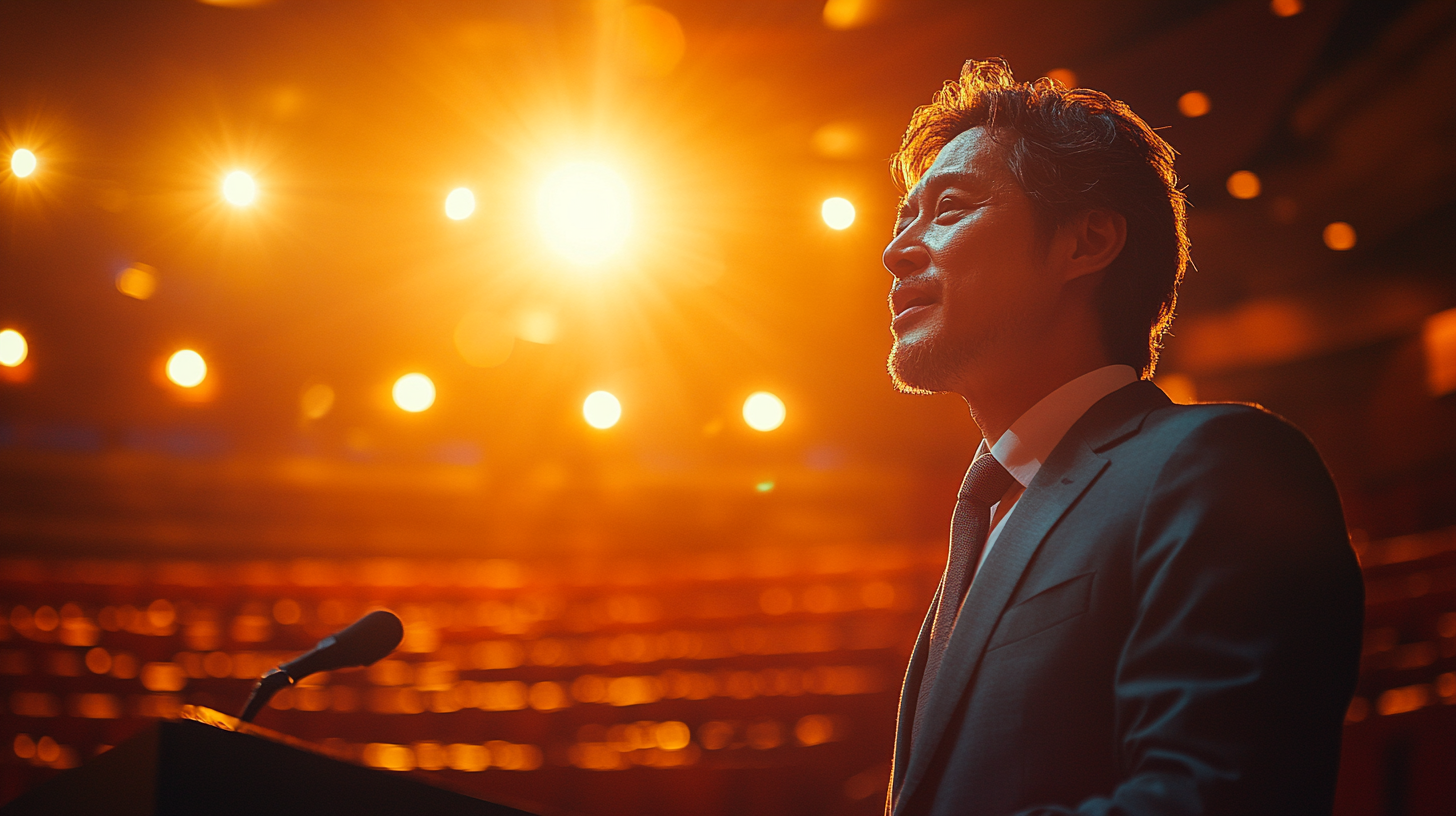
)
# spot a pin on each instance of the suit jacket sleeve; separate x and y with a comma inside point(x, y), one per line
point(1244, 647)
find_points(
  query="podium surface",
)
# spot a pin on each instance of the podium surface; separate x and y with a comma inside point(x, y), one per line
point(208, 763)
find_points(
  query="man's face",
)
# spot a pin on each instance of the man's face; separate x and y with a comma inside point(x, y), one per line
point(971, 279)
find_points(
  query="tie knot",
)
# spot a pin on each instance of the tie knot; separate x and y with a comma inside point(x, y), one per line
point(986, 481)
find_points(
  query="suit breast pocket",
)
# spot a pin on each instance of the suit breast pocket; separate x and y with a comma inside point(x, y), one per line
point(1053, 605)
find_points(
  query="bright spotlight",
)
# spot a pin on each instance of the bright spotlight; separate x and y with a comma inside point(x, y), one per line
point(239, 189)
point(459, 204)
point(13, 348)
point(22, 162)
point(838, 213)
point(186, 368)
point(584, 211)
point(414, 393)
point(763, 411)
point(601, 409)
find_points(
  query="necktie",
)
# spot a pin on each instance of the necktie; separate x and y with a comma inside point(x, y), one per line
point(985, 483)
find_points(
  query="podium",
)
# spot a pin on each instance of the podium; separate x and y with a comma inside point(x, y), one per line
point(210, 763)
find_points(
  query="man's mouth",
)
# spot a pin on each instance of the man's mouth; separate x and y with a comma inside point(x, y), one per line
point(907, 304)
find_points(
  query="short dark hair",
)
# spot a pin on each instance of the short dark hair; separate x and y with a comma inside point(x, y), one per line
point(1073, 150)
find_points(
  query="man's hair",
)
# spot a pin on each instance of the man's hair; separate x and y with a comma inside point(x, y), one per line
point(1072, 151)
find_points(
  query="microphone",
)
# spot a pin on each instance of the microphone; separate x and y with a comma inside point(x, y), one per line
point(363, 642)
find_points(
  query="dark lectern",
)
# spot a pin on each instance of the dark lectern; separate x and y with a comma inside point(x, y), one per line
point(208, 763)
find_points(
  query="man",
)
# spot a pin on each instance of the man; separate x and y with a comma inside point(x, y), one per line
point(1147, 608)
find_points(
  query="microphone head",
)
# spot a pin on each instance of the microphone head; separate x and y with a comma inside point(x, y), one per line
point(367, 640)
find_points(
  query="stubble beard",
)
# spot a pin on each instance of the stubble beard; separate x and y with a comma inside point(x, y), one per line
point(930, 365)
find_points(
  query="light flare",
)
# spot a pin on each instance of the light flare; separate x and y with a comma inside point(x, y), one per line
point(239, 189)
point(414, 392)
point(584, 211)
point(186, 368)
point(601, 409)
point(22, 162)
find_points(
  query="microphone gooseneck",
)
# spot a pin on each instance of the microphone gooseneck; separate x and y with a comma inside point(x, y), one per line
point(361, 643)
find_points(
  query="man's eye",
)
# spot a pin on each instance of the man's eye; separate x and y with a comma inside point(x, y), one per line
point(946, 205)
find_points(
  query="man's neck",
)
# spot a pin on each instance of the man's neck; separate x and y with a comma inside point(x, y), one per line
point(997, 399)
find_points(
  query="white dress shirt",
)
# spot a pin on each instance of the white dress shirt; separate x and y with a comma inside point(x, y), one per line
point(1031, 438)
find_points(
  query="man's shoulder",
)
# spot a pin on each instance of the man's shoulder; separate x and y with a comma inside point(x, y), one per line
point(1224, 431)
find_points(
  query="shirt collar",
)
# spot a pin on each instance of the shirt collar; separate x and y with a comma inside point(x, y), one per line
point(1031, 438)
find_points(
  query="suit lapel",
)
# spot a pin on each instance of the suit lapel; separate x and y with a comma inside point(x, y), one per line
point(1069, 471)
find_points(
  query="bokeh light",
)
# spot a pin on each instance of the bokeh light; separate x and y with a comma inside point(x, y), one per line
point(763, 411)
point(13, 348)
point(317, 401)
point(1066, 76)
point(1339, 236)
point(1243, 184)
point(414, 392)
point(459, 204)
point(22, 162)
point(186, 368)
point(842, 15)
point(137, 281)
point(1286, 8)
point(1194, 104)
point(838, 213)
point(239, 188)
point(601, 409)
point(584, 211)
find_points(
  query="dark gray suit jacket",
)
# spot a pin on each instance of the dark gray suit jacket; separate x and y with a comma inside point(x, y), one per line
point(1168, 624)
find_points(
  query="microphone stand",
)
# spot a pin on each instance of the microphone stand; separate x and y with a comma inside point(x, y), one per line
point(268, 685)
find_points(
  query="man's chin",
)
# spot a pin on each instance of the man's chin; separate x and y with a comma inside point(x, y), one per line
point(914, 370)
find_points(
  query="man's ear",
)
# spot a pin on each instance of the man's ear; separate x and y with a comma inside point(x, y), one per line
point(1097, 238)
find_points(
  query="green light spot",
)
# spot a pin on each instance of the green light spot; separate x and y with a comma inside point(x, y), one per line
point(764, 487)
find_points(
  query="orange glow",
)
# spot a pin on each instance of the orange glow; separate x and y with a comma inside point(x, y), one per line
point(239, 189)
point(1438, 335)
point(22, 162)
point(137, 281)
point(763, 411)
point(1243, 184)
point(1194, 104)
point(839, 140)
point(842, 15)
point(13, 348)
point(1339, 236)
point(837, 212)
point(584, 211)
point(186, 368)
point(414, 393)
point(459, 204)
point(1179, 388)
point(601, 409)
point(1066, 76)
point(653, 39)
point(1286, 8)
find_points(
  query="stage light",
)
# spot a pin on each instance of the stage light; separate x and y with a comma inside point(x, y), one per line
point(584, 211)
point(459, 204)
point(601, 409)
point(137, 281)
point(186, 368)
point(22, 162)
point(239, 188)
point(1286, 8)
point(1339, 236)
point(13, 348)
point(838, 213)
point(414, 392)
point(1194, 104)
point(763, 411)
point(1243, 184)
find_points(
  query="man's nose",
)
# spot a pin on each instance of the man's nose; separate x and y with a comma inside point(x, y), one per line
point(904, 258)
